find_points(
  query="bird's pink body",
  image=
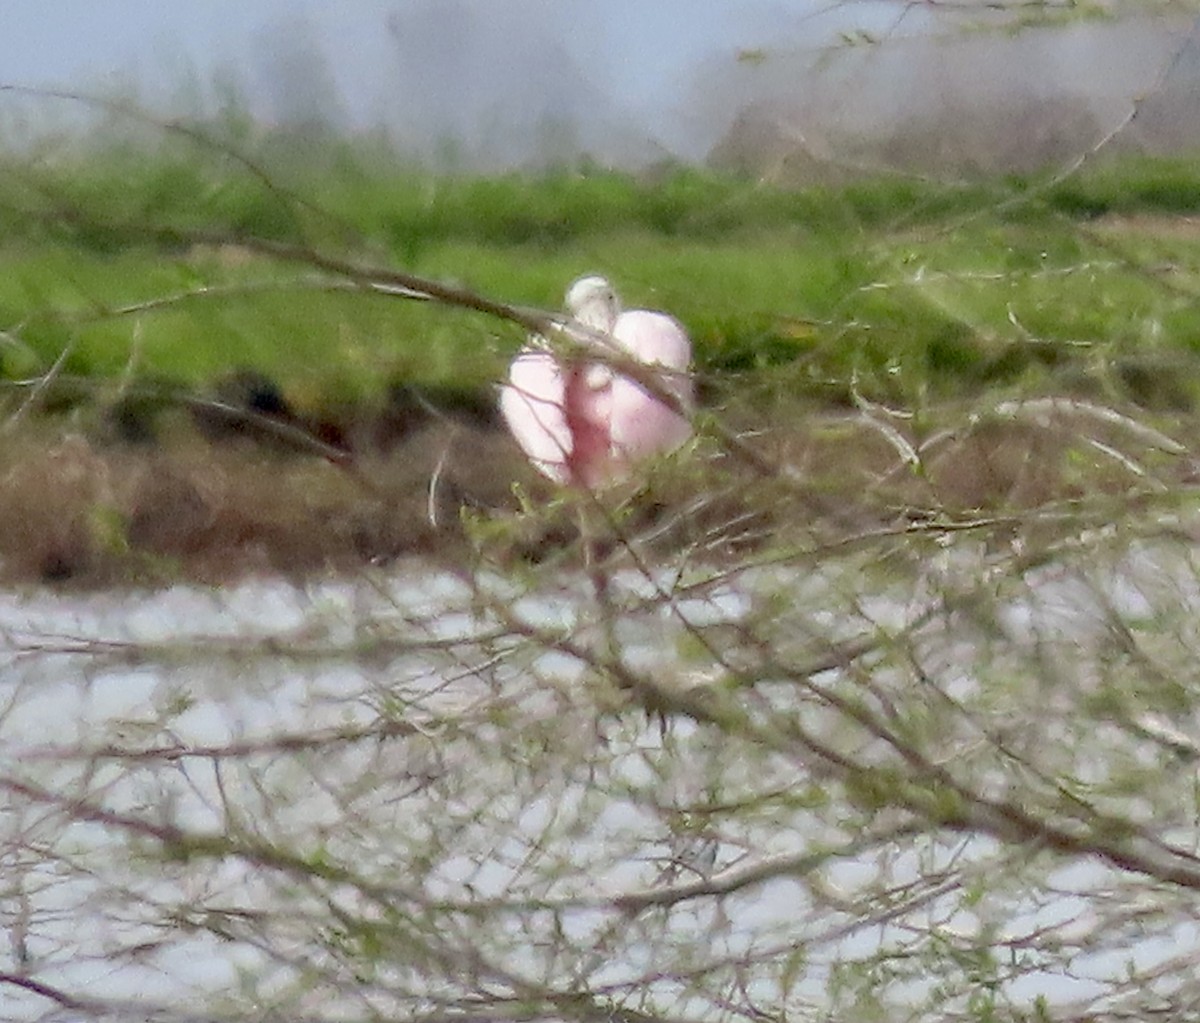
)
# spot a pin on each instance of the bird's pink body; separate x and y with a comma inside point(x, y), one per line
point(582, 422)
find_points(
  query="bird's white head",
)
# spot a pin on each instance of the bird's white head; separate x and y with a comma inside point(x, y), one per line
point(593, 302)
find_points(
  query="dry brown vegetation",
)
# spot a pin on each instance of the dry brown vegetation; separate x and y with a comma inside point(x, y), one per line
point(80, 509)
point(73, 509)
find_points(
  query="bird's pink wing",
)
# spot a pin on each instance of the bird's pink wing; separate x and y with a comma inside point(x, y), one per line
point(640, 424)
point(532, 403)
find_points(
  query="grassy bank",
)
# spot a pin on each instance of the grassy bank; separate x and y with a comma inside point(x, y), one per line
point(906, 286)
point(128, 294)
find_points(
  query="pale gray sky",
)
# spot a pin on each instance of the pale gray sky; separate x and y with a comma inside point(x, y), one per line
point(627, 81)
point(639, 55)
point(647, 41)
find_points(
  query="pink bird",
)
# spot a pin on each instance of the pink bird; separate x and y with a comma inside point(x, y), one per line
point(582, 422)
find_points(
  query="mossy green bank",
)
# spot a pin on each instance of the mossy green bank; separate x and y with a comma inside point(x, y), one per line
point(895, 289)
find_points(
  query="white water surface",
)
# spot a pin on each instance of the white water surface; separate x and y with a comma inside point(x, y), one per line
point(227, 678)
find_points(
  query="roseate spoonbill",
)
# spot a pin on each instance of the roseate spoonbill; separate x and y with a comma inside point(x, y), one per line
point(583, 422)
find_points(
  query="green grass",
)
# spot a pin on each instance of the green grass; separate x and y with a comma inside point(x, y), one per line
point(1133, 184)
point(936, 299)
point(897, 289)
